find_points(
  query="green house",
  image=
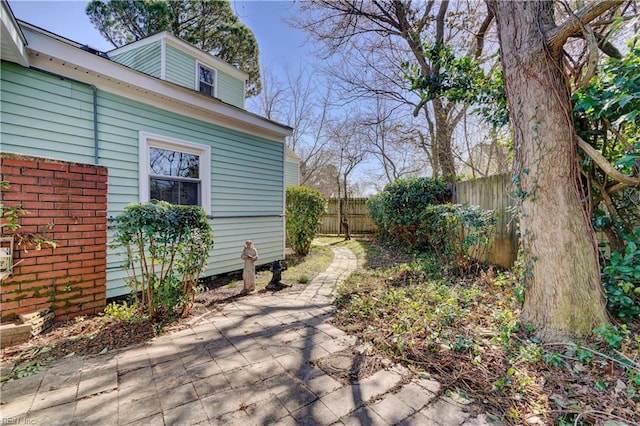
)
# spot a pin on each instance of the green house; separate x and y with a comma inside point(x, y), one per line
point(134, 110)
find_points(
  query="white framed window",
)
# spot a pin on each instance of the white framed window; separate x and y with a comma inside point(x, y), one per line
point(175, 171)
point(207, 80)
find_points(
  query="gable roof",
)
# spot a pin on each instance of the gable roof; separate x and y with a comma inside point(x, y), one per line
point(188, 48)
point(56, 54)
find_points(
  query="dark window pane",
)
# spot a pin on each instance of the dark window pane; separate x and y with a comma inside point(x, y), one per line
point(174, 191)
point(206, 89)
point(164, 190)
point(206, 75)
point(165, 162)
point(189, 193)
point(207, 80)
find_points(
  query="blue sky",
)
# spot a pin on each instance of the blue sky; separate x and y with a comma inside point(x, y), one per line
point(280, 45)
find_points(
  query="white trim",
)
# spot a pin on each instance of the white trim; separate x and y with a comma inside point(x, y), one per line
point(52, 54)
point(147, 140)
point(12, 39)
point(244, 93)
point(215, 78)
point(178, 43)
point(163, 61)
point(136, 44)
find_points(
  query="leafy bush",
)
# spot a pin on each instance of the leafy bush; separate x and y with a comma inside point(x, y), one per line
point(411, 212)
point(607, 116)
point(305, 207)
point(397, 210)
point(451, 231)
point(123, 312)
point(167, 247)
point(621, 278)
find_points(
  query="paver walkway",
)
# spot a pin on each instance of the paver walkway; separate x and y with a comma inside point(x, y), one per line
point(249, 364)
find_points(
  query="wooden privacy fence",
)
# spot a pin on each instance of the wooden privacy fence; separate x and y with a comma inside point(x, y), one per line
point(359, 221)
point(489, 193)
point(494, 193)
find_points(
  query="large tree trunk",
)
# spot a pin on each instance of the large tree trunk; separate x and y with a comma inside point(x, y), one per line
point(444, 136)
point(564, 298)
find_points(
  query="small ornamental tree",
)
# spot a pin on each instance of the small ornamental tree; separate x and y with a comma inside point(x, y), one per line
point(305, 207)
point(167, 247)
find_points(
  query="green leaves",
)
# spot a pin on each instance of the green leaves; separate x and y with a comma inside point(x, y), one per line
point(621, 277)
point(410, 212)
point(400, 205)
point(614, 93)
point(460, 80)
point(305, 208)
point(210, 25)
point(10, 221)
point(167, 247)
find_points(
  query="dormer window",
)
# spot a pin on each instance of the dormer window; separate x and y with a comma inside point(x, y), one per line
point(207, 79)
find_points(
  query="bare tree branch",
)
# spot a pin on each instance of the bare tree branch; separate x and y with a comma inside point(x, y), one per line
point(557, 36)
point(606, 166)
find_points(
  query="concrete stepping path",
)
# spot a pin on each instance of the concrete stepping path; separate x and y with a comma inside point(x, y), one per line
point(249, 364)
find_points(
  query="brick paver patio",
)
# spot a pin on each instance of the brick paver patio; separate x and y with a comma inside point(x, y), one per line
point(252, 363)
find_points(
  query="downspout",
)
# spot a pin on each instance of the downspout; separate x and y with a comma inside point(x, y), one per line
point(94, 90)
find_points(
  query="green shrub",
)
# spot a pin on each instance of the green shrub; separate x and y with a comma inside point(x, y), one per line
point(621, 279)
point(412, 213)
point(123, 312)
point(397, 211)
point(452, 231)
point(167, 247)
point(305, 207)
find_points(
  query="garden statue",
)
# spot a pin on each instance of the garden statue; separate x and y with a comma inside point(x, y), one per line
point(249, 255)
point(276, 269)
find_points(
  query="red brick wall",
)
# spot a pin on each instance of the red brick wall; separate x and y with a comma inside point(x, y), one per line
point(70, 279)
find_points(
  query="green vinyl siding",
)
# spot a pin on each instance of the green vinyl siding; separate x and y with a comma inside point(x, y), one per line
point(230, 89)
point(246, 178)
point(180, 68)
point(247, 172)
point(45, 116)
point(146, 59)
point(229, 237)
point(291, 173)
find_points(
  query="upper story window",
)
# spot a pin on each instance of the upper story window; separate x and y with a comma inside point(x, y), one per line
point(207, 80)
point(175, 171)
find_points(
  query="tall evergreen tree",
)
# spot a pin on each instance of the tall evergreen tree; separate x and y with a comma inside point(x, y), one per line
point(210, 25)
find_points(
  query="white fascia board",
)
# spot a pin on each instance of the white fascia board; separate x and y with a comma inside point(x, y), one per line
point(137, 44)
point(205, 57)
point(56, 56)
point(13, 40)
point(167, 38)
